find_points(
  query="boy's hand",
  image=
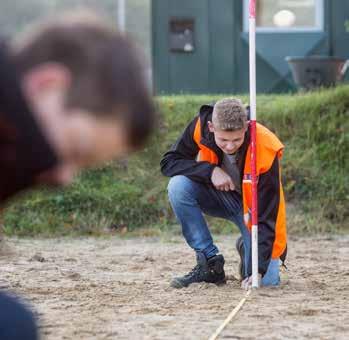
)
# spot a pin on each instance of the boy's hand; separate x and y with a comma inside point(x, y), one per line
point(221, 180)
point(247, 283)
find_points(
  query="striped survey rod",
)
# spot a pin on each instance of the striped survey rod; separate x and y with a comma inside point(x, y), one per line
point(253, 118)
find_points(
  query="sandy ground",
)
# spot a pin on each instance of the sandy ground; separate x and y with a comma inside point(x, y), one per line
point(119, 289)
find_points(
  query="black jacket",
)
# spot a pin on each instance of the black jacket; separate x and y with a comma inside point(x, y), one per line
point(181, 159)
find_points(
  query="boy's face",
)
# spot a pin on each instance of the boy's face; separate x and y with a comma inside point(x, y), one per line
point(228, 141)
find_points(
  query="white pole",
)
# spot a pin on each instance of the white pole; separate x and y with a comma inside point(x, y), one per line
point(122, 15)
point(252, 50)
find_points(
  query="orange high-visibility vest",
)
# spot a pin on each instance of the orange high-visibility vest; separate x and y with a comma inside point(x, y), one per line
point(268, 147)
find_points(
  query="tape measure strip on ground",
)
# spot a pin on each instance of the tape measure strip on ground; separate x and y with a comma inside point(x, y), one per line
point(230, 316)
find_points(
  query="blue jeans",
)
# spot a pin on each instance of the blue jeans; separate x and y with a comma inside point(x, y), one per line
point(190, 199)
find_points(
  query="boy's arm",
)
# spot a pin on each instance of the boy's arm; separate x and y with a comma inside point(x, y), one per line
point(181, 159)
point(268, 205)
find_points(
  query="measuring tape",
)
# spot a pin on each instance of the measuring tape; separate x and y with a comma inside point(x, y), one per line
point(230, 316)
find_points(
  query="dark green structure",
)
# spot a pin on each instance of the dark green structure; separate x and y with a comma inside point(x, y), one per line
point(211, 56)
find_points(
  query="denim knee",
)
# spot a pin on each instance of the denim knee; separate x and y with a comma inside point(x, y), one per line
point(179, 189)
point(272, 276)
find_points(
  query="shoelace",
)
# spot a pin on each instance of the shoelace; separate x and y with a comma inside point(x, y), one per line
point(194, 271)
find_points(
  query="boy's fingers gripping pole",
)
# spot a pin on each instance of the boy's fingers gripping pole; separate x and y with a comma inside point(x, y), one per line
point(254, 232)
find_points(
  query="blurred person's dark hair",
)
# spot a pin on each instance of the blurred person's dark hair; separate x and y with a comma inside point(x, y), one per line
point(107, 75)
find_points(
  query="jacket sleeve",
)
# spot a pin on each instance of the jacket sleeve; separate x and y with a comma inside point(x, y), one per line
point(181, 159)
point(268, 205)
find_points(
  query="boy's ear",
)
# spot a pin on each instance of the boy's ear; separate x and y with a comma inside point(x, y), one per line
point(210, 126)
point(46, 77)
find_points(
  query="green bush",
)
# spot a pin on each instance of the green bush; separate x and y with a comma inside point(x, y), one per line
point(132, 194)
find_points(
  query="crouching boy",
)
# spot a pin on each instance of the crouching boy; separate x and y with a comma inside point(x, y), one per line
point(210, 172)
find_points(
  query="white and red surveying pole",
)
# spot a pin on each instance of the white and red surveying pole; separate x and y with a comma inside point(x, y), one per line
point(254, 212)
point(253, 118)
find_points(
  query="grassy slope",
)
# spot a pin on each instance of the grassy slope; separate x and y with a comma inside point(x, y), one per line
point(314, 128)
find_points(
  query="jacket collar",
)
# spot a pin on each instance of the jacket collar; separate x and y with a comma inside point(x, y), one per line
point(207, 137)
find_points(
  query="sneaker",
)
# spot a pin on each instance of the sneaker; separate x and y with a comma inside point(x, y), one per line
point(207, 270)
point(241, 251)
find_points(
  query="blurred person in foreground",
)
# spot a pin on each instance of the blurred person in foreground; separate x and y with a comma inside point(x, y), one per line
point(72, 95)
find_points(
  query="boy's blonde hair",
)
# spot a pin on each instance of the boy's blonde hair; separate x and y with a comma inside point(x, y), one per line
point(229, 114)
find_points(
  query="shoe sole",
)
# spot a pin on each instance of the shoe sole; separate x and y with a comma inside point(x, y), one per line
point(221, 283)
point(178, 285)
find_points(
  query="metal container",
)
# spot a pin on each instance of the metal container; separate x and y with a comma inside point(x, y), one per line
point(317, 71)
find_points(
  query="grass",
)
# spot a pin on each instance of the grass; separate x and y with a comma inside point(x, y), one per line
point(130, 196)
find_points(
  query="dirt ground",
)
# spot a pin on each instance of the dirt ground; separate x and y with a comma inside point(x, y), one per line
point(119, 289)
